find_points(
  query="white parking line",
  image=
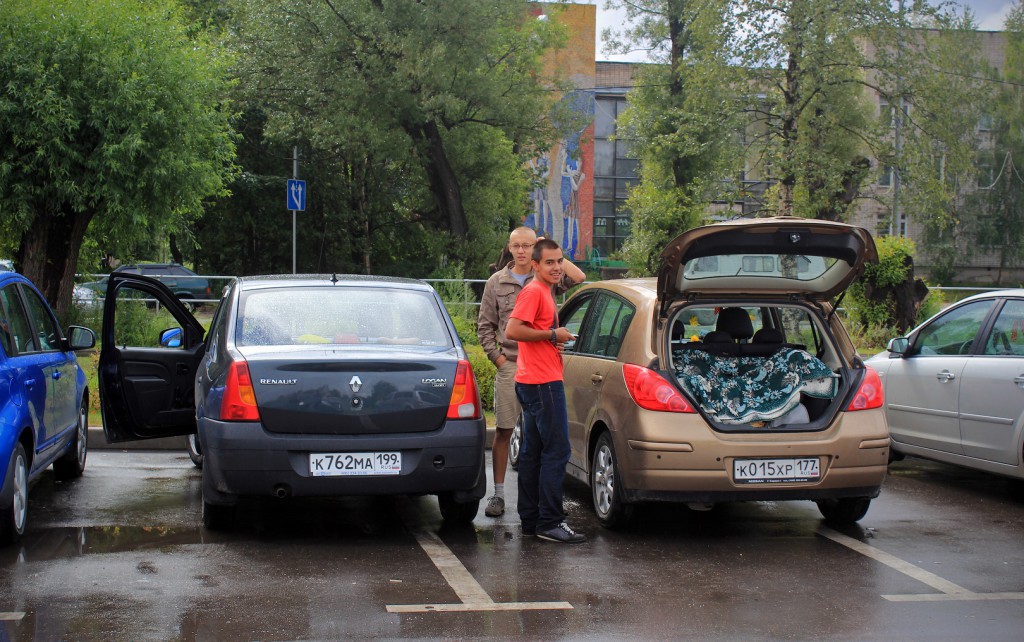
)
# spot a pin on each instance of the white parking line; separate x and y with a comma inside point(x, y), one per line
point(12, 616)
point(472, 596)
point(948, 591)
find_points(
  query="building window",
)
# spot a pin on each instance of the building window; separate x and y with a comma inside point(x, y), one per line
point(885, 176)
point(615, 171)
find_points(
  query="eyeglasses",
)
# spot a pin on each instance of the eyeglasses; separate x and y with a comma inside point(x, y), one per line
point(520, 246)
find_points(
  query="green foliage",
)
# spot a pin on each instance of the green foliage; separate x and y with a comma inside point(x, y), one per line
point(414, 120)
point(485, 372)
point(112, 117)
point(869, 316)
point(680, 120)
point(999, 200)
point(941, 149)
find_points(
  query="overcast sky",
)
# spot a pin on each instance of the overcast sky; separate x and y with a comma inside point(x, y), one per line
point(989, 15)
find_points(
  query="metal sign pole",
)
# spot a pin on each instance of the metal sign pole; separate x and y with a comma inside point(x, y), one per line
point(295, 175)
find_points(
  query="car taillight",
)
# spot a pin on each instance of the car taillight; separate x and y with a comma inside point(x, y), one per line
point(239, 403)
point(870, 394)
point(650, 391)
point(464, 403)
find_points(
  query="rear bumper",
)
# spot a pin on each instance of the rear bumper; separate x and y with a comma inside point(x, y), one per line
point(243, 459)
point(853, 456)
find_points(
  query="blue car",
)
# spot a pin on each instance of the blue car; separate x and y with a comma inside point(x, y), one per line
point(44, 402)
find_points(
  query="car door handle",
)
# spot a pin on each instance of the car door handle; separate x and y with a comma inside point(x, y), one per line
point(182, 368)
point(945, 376)
point(596, 379)
point(1019, 380)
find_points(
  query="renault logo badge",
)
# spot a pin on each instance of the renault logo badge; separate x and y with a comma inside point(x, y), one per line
point(356, 383)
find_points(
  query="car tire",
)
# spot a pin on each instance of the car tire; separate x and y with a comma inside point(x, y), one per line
point(845, 510)
point(14, 516)
point(515, 443)
point(72, 464)
point(457, 513)
point(606, 486)
point(195, 451)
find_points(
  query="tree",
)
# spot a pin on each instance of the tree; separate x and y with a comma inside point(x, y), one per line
point(425, 113)
point(1000, 195)
point(943, 98)
point(112, 116)
point(681, 118)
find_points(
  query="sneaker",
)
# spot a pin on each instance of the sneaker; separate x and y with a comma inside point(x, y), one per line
point(562, 534)
point(495, 507)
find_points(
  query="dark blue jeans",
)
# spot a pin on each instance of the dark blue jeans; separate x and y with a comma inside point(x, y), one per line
point(543, 455)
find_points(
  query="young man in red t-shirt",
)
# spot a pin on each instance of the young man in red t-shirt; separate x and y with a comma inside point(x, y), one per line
point(545, 449)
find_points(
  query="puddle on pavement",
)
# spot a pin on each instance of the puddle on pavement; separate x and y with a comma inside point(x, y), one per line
point(65, 543)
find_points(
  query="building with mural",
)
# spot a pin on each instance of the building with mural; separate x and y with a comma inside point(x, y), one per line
point(583, 181)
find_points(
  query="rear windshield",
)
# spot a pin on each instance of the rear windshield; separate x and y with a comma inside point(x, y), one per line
point(339, 316)
point(793, 266)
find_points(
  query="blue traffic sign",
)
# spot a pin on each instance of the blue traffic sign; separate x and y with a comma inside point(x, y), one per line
point(297, 195)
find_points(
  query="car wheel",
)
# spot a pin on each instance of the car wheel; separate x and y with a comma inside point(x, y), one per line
point(846, 510)
point(14, 516)
point(605, 486)
point(457, 513)
point(515, 443)
point(72, 464)
point(195, 452)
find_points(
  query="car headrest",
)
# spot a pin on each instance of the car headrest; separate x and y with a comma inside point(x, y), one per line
point(717, 336)
point(736, 322)
point(768, 335)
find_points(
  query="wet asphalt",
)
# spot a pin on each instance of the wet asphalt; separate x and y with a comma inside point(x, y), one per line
point(121, 554)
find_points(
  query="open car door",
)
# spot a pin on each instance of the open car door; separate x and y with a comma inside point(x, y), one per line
point(151, 351)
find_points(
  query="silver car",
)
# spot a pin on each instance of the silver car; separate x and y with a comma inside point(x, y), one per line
point(954, 387)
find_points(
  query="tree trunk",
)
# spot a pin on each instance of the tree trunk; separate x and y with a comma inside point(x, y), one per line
point(175, 251)
point(443, 183)
point(679, 39)
point(48, 255)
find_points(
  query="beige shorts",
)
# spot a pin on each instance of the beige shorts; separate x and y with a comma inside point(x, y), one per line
point(506, 406)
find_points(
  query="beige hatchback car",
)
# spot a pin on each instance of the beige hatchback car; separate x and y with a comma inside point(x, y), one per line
point(729, 377)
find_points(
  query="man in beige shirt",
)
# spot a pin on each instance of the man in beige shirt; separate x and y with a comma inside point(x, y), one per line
point(499, 298)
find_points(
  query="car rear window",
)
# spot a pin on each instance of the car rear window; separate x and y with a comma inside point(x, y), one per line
point(341, 316)
point(794, 266)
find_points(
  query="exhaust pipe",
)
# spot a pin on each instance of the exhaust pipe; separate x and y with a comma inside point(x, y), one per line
point(282, 490)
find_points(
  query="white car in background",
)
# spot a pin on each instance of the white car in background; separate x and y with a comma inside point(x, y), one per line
point(954, 387)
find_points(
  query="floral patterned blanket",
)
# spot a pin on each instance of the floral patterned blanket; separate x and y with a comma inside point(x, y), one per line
point(745, 389)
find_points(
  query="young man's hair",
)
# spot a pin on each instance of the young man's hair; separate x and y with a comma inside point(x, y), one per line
point(541, 245)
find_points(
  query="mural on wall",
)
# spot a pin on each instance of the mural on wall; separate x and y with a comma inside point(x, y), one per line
point(564, 192)
point(563, 199)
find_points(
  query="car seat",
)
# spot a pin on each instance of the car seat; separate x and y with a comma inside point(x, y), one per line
point(736, 322)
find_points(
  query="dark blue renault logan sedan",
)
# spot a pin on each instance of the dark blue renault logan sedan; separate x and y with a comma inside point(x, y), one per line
point(303, 386)
point(44, 402)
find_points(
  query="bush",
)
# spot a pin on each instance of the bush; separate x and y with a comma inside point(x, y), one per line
point(484, 371)
point(887, 297)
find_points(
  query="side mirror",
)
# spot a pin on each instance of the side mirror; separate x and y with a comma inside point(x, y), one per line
point(80, 338)
point(898, 346)
point(171, 338)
